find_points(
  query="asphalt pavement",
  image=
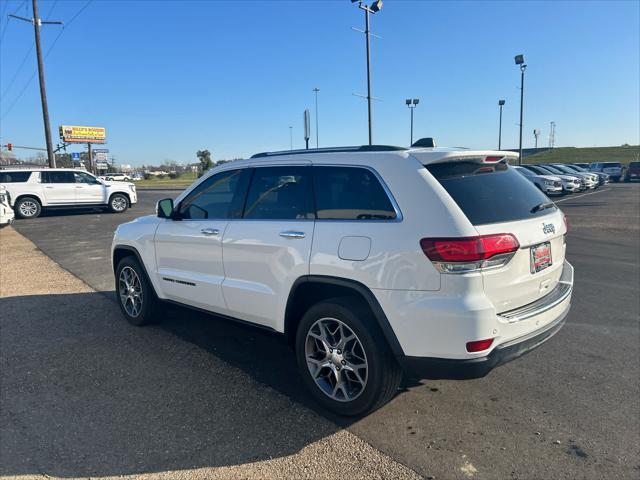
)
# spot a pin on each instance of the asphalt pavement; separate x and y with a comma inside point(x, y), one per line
point(569, 409)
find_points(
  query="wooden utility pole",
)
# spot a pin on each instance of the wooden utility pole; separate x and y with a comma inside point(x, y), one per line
point(36, 21)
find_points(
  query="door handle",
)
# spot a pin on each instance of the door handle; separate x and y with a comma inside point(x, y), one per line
point(210, 231)
point(292, 234)
point(48, 187)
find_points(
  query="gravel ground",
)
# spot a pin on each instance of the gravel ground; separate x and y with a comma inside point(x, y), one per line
point(50, 426)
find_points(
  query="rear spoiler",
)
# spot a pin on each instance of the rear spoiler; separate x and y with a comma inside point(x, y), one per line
point(478, 156)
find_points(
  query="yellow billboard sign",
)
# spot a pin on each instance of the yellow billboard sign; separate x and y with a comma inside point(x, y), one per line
point(76, 134)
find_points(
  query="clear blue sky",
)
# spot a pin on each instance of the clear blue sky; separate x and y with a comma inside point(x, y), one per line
point(167, 78)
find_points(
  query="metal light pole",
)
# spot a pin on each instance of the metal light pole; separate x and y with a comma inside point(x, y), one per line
point(501, 104)
point(536, 134)
point(316, 90)
point(519, 59)
point(412, 104)
point(374, 8)
point(290, 137)
point(37, 22)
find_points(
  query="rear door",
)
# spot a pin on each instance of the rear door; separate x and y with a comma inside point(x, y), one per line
point(496, 199)
point(189, 247)
point(59, 187)
point(269, 248)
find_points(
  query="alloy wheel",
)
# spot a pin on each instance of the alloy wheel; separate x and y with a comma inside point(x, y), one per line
point(130, 290)
point(336, 359)
point(119, 204)
point(28, 208)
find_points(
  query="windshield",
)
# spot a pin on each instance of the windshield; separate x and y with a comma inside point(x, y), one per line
point(490, 193)
point(563, 168)
point(611, 165)
point(576, 168)
point(553, 170)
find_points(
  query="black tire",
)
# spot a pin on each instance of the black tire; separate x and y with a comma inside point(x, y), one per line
point(383, 374)
point(118, 203)
point(149, 311)
point(27, 207)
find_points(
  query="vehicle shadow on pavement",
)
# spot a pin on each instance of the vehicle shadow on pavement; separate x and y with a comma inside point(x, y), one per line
point(84, 393)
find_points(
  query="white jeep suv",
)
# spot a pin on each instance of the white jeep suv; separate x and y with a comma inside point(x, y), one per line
point(30, 191)
point(370, 260)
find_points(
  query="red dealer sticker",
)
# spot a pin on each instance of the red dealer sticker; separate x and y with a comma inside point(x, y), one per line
point(540, 257)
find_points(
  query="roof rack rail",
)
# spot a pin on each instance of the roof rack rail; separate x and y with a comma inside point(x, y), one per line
point(361, 148)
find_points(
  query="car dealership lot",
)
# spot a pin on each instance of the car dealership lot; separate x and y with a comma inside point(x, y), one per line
point(567, 410)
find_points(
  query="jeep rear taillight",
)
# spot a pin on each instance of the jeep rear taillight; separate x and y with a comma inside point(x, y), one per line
point(467, 254)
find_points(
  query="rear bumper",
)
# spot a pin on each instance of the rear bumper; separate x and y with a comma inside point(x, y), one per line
point(444, 368)
point(550, 310)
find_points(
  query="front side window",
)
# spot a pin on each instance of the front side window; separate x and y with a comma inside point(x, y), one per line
point(58, 177)
point(219, 197)
point(14, 177)
point(280, 193)
point(83, 177)
point(350, 193)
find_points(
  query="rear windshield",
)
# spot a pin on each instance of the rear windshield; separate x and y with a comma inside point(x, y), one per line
point(14, 177)
point(490, 193)
point(634, 164)
point(611, 164)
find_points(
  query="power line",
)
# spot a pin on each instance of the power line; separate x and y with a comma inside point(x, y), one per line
point(6, 23)
point(53, 44)
point(24, 60)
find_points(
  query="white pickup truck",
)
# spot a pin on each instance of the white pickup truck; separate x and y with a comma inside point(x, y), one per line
point(31, 191)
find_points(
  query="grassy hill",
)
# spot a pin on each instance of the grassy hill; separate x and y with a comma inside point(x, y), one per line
point(586, 155)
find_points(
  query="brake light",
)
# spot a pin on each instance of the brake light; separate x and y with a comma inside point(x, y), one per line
point(493, 159)
point(479, 345)
point(467, 254)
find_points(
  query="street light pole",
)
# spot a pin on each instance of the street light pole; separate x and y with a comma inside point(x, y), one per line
point(501, 104)
point(519, 59)
point(290, 137)
point(37, 22)
point(316, 90)
point(373, 8)
point(412, 104)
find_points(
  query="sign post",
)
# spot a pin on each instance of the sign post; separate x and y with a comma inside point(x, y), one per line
point(307, 127)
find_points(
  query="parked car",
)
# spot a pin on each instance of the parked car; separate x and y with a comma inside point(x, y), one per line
point(31, 191)
point(591, 179)
point(603, 178)
point(570, 183)
point(6, 212)
point(632, 172)
point(555, 171)
point(335, 250)
point(118, 177)
point(613, 169)
point(547, 183)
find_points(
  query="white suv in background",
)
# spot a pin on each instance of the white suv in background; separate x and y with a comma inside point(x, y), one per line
point(6, 212)
point(371, 261)
point(30, 191)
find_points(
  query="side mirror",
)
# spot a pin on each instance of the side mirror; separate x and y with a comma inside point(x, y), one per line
point(164, 208)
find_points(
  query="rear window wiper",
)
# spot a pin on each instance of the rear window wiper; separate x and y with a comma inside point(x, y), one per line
point(542, 206)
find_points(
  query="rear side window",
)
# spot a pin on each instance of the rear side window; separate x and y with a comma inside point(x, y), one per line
point(14, 177)
point(490, 193)
point(218, 197)
point(58, 177)
point(280, 193)
point(350, 193)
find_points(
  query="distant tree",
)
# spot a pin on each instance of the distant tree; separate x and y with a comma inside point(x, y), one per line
point(204, 156)
point(63, 160)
